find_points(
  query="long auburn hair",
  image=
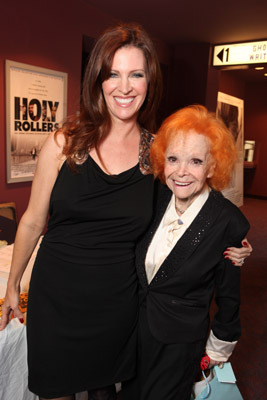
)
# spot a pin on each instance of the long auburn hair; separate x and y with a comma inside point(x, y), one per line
point(199, 120)
point(93, 124)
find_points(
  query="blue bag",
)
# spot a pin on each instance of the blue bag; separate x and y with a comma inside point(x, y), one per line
point(216, 389)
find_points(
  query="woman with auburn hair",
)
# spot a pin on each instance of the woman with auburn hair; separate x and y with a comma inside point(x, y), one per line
point(180, 259)
point(95, 119)
point(93, 178)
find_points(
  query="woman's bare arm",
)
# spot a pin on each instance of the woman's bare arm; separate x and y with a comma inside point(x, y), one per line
point(32, 222)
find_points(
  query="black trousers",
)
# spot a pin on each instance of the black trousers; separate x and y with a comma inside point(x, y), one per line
point(106, 393)
point(164, 371)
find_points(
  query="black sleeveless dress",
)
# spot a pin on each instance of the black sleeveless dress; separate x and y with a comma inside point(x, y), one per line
point(83, 303)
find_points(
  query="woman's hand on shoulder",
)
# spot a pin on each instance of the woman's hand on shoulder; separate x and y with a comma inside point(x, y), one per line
point(238, 255)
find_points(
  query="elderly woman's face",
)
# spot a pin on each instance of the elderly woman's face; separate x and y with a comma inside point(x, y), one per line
point(187, 165)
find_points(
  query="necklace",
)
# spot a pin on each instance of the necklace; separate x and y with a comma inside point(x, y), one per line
point(183, 210)
point(179, 210)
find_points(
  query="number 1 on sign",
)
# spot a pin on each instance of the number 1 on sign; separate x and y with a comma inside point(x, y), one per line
point(227, 54)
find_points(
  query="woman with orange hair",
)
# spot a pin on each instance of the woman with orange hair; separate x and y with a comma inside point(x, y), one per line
point(180, 260)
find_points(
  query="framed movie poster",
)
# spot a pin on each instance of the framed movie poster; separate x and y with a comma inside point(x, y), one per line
point(231, 110)
point(36, 104)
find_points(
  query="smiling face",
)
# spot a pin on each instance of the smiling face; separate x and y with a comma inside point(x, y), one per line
point(126, 88)
point(187, 167)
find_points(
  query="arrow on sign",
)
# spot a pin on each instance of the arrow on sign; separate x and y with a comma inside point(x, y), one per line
point(220, 55)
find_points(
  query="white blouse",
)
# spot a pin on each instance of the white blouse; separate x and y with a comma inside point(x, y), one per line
point(170, 230)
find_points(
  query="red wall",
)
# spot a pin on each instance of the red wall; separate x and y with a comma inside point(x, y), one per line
point(231, 85)
point(51, 37)
point(256, 129)
point(48, 36)
point(188, 75)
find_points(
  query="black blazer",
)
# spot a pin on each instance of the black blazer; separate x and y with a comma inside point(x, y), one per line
point(179, 296)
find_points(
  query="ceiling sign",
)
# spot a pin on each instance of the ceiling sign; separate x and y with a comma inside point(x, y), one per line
point(240, 53)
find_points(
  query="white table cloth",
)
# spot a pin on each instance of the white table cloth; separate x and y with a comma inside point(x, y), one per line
point(13, 363)
point(13, 347)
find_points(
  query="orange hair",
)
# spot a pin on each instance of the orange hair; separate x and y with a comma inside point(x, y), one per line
point(197, 118)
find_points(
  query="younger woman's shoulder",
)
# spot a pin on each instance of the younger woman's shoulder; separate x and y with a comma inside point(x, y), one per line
point(146, 140)
point(53, 148)
point(147, 136)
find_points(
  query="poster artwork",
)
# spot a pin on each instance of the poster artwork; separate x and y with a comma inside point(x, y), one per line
point(36, 108)
point(31, 117)
point(231, 110)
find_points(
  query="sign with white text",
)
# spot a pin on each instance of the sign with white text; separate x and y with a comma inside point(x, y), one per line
point(240, 53)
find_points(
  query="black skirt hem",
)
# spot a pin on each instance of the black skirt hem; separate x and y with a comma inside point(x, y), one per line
point(84, 388)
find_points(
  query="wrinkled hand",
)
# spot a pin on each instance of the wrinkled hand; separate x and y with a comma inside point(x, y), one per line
point(10, 308)
point(212, 363)
point(238, 255)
